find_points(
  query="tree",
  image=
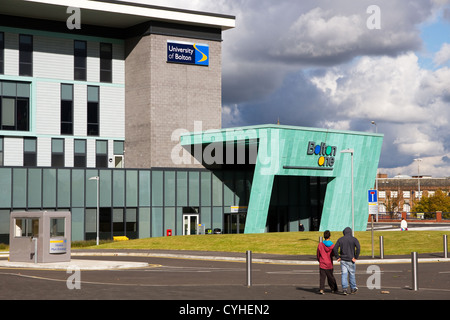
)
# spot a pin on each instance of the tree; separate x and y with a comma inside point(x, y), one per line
point(438, 202)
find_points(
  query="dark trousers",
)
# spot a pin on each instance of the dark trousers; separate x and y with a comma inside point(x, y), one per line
point(327, 273)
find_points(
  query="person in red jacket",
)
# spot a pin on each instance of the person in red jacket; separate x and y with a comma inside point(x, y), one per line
point(325, 258)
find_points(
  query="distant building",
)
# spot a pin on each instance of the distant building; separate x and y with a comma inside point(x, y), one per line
point(401, 193)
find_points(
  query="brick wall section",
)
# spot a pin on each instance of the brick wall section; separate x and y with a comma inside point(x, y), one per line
point(162, 97)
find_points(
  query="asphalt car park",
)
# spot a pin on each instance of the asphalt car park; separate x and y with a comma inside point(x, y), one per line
point(202, 279)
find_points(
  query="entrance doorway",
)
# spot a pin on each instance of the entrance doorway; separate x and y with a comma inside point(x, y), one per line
point(235, 222)
point(278, 219)
point(190, 223)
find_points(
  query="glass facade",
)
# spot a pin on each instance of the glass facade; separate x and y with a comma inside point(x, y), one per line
point(137, 203)
point(141, 203)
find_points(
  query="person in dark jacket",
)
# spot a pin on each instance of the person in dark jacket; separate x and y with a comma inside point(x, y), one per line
point(347, 250)
point(325, 258)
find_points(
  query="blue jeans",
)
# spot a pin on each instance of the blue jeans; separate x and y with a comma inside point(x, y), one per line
point(348, 269)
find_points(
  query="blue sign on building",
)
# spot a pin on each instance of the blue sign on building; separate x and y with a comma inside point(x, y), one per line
point(188, 53)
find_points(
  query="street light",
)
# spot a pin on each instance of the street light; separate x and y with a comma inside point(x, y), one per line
point(418, 174)
point(351, 151)
point(374, 123)
point(376, 178)
point(98, 179)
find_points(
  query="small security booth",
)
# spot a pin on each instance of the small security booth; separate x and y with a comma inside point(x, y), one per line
point(40, 237)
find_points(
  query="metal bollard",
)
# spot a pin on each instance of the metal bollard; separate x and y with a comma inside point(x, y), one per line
point(249, 268)
point(320, 239)
point(381, 247)
point(35, 240)
point(445, 246)
point(415, 264)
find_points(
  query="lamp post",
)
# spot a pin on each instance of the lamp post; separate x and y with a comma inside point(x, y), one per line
point(376, 178)
point(375, 124)
point(418, 174)
point(351, 151)
point(98, 179)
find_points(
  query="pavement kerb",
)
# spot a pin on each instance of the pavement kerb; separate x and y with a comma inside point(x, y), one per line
point(254, 260)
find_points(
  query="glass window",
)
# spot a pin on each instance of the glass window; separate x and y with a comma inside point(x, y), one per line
point(132, 188)
point(182, 188)
point(91, 220)
point(78, 181)
point(93, 111)
point(66, 109)
point(1, 151)
point(25, 55)
point(57, 226)
point(118, 147)
point(8, 113)
point(63, 188)
point(131, 223)
point(105, 62)
point(157, 188)
point(144, 188)
point(101, 154)
point(29, 152)
point(2, 53)
point(169, 188)
point(205, 188)
point(118, 225)
point(26, 227)
point(58, 153)
point(119, 188)
point(194, 192)
point(79, 154)
point(14, 105)
point(19, 187)
point(80, 60)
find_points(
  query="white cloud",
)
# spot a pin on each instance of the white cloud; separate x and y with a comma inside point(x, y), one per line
point(410, 105)
point(443, 55)
point(376, 88)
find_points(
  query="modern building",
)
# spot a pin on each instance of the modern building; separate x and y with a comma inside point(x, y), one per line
point(128, 96)
point(77, 77)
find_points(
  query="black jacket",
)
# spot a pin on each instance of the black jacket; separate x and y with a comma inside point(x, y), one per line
point(347, 247)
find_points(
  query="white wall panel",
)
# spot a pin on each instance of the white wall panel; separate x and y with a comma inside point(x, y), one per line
point(90, 157)
point(93, 61)
point(80, 110)
point(44, 149)
point(53, 58)
point(11, 54)
point(118, 64)
point(48, 108)
point(112, 112)
point(13, 151)
point(69, 152)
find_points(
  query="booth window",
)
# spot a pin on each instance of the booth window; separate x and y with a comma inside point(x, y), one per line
point(26, 227)
point(57, 226)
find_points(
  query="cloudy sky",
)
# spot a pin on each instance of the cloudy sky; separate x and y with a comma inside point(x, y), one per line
point(341, 64)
